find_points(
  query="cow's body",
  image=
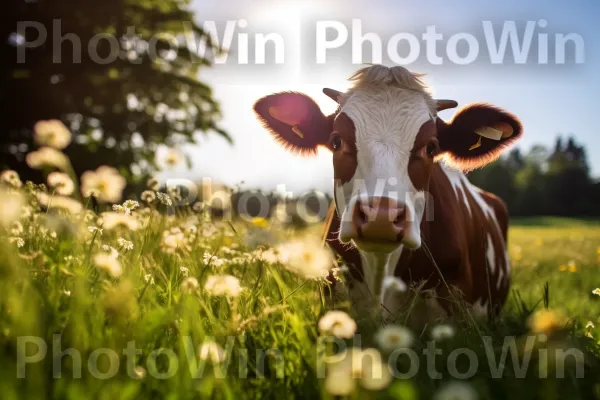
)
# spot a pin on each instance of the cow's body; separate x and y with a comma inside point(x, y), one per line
point(466, 238)
point(401, 216)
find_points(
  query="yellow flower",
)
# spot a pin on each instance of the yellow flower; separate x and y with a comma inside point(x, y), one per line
point(562, 267)
point(106, 181)
point(47, 157)
point(52, 133)
point(338, 324)
point(572, 266)
point(260, 222)
point(456, 391)
point(393, 337)
point(211, 351)
point(546, 321)
point(107, 262)
point(61, 183)
point(223, 285)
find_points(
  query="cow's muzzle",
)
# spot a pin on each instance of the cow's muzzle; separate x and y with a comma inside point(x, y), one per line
point(379, 220)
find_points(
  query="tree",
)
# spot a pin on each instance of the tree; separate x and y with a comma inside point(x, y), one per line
point(121, 93)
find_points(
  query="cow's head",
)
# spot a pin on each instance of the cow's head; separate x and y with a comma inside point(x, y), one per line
point(385, 138)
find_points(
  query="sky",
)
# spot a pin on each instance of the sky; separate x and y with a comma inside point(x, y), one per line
point(550, 99)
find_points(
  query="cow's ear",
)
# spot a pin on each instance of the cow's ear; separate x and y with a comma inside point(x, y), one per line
point(477, 135)
point(295, 121)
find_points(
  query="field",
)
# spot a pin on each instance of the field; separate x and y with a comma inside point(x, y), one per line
point(182, 306)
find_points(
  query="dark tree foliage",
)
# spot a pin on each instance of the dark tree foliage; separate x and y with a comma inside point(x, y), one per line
point(544, 183)
point(132, 87)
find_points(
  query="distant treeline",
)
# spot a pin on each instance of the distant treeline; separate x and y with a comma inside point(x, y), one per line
point(544, 181)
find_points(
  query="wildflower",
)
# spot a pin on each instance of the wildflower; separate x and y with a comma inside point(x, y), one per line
point(338, 324)
point(47, 157)
point(172, 158)
point(59, 202)
point(572, 266)
point(596, 291)
point(590, 325)
point(394, 337)
point(164, 199)
point(307, 259)
point(149, 279)
point(211, 351)
point(562, 268)
point(172, 240)
point(212, 260)
point(119, 208)
point(394, 284)
point(130, 206)
point(456, 391)
point(546, 321)
point(184, 271)
point(67, 292)
point(61, 183)
point(11, 178)
point(94, 229)
point(112, 220)
point(441, 332)
point(16, 228)
point(126, 244)
point(52, 133)
point(95, 193)
point(139, 372)
point(189, 285)
point(148, 196)
point(260, 222)
point(108, 263)
point(223, 285)
point(152, 184)
point(366, 366)
point(109, 249)
point(17, 240)
point(106, 181)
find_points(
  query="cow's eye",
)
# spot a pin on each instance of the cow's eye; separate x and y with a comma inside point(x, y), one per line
point(433, 148)
point(336, 142)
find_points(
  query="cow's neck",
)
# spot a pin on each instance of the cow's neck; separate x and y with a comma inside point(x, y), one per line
point(376, 267)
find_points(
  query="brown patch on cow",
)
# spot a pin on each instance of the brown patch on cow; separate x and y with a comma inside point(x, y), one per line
point(344, 158)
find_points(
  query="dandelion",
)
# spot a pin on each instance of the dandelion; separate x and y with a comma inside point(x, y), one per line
point(184, 271)
point(109, 249)
point(94, 229)
point(260, 222)
point(16, 228)
point(562, 267)
point(107, 181)
point(442, 332)
point(456, 391)
point(152, 184)
point(394, 284)
point(17, 240)
point(394, 337)
point(52, 133)
point(212, 260)
point(61, 183)
point(339, 382)
point(107, 262)
point(11, 207)
point(307, 259)
point(223, 285)
point(111, 220)
point(572, 266)
point(172, 240)
point(211, 351)
point(95, 193)
point(164, 199)
point(596, 291)
point(11, 178)
point(130, 206)
point(139, 372)
point(126, 244)
point(189, 285)
point(546, 321)
point(47, 157)
point(148, 196)
point(172, 158)
point(338, 324)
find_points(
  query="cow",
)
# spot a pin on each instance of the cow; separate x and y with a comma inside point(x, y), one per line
point(405, 213)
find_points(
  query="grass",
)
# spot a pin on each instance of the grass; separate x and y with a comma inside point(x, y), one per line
point(51, 286)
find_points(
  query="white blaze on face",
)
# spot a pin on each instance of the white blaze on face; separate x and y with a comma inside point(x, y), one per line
point(387, 121)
